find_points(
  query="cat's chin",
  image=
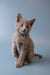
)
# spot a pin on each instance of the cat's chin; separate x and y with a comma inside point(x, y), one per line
point(24, 34)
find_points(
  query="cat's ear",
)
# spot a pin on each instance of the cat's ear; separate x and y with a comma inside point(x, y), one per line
point(32, 21)
point(19, 17)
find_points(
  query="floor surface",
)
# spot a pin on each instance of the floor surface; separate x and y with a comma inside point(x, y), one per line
point(7, 65)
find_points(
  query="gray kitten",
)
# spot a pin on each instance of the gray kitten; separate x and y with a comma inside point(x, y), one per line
point(23, 47)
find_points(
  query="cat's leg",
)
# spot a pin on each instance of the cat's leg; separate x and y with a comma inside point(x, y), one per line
point(30, 53)
point(21, 58)
point(14, 51)
point(30, 56)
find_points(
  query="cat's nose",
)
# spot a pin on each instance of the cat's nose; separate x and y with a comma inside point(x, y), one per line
point(24, 30)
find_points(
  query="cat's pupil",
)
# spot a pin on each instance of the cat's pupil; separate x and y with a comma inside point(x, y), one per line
point(21, 25)
point(27, 27)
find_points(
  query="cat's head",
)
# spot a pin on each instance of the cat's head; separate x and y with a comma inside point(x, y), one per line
point(23, 26)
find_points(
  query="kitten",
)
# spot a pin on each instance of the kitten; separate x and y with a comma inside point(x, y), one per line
point(23, 47)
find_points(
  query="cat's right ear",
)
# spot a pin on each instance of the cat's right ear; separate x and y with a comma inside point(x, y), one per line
point(19, 17)
point(32, 21)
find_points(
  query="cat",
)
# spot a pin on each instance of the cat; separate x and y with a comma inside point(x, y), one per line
point(23, 46)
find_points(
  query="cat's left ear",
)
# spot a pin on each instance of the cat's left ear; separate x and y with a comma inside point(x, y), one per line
point(32, 21)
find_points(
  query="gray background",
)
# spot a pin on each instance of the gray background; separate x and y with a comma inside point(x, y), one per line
point(40, 34)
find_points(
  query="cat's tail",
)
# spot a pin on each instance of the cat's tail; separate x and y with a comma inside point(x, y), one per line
point(38, 55)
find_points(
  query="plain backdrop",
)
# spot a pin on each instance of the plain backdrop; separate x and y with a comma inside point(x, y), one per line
point(40, 34)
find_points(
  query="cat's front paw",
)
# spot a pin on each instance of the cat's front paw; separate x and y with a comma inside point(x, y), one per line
point(17, 64)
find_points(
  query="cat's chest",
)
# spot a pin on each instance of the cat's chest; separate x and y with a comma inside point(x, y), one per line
point(21, 43)
point(21, 40)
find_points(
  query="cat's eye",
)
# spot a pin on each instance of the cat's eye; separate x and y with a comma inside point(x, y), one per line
point(21, 25)
point(27, 26)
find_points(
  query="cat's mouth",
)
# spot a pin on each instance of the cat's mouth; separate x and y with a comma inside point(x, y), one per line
point(23, 33)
